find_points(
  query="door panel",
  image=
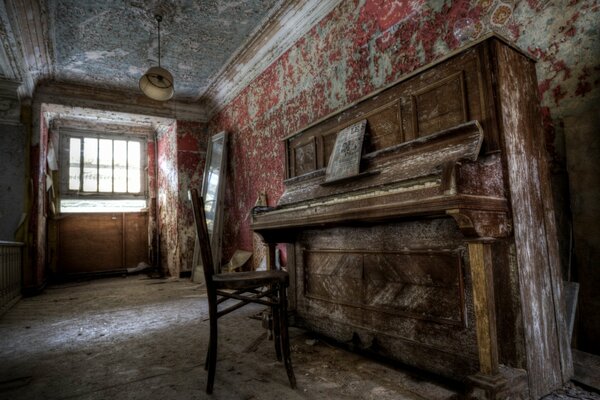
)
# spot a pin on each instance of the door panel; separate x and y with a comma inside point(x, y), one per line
point(101, 242)
point(136, 239)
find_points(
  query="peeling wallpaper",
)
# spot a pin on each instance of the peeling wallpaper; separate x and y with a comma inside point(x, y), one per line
point(181, 155)
point(364, 45)
point(191, 155)
point(565, 37)
point(168, 196)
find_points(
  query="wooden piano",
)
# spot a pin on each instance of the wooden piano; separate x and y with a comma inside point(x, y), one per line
point(442, 252)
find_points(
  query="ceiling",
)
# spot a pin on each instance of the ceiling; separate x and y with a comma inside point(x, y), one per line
point(113, 42)
point(212, 47)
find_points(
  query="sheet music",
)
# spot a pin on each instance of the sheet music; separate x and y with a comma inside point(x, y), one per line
point(345, 157)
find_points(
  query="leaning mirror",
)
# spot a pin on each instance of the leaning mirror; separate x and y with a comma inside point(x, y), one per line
point(213, 185)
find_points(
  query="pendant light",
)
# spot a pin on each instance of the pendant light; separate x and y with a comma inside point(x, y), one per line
point(157, 82)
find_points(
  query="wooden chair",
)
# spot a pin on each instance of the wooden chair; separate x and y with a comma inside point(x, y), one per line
point(262, 287)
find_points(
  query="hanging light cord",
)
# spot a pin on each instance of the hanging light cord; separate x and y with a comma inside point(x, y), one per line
point(158, 19)
point(157, 82)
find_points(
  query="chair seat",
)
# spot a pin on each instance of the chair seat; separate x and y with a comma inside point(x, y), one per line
point(241, 280)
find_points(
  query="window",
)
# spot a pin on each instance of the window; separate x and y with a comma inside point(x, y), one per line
point(102, 173)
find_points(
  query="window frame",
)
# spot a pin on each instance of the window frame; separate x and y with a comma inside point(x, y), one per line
point(66, 193)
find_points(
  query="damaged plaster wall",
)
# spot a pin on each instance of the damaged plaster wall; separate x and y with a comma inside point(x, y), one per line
point(12, 179)
point(168, 196)
point(181, 154)
point(13, 168)
point(34, 277)
point(192, 140)
point(181, 149)
point(364, 45)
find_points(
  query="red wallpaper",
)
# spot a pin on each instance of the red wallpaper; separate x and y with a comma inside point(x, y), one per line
point(191, 154)
point(168, 198)
point(362, 46)
point(181, 154)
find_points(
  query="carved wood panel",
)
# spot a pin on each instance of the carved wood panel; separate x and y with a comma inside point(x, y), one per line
point(446, 95)
point(423, 285)
point(440, 105)
point(402, 290)
point(304, 157)
point(384, 127)
point(328, 142)
point(334, 276)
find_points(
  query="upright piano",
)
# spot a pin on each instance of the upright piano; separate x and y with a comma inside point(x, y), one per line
point(442, 252)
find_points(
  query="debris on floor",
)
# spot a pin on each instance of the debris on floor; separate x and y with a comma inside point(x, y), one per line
point(570, 392)
point(125, 338)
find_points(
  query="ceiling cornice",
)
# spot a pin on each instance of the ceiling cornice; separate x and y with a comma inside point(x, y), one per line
point(278, 33)
point(116, 101)
point(29, 21)
point(62, 117)
point(31, 60)
point(8, 88)
point(11, 66)
point(9, 102)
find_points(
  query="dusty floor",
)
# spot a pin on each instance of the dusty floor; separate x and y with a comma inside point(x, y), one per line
point(140, 338)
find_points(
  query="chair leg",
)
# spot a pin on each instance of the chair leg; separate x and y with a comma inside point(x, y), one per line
point(276, 331)
point(212, 350)
point(285, 340)
point(207, 356)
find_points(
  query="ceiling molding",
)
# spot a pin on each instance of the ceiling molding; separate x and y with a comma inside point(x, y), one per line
point(279, 32)
point(29, 21)
point(27, 43)
point(76, 118)
point(116, 101)
point(10, 64)
point(10, 110)
point(8, 88)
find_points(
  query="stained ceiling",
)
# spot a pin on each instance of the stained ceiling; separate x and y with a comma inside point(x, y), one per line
point(112, 43)
point(213, 48)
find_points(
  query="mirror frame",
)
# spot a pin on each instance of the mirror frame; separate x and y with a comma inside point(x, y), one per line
point(216, 235)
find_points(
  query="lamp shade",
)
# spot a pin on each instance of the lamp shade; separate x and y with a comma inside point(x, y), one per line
point(157, 83)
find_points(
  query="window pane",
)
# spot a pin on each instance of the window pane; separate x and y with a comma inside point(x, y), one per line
point(133, 170)
point(95, 205)
point(120, 160)
point(111, 167)
point(105, 172)
point(90, 165)
point(74, 163)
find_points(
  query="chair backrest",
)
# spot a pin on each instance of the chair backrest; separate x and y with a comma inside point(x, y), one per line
point(203, 238)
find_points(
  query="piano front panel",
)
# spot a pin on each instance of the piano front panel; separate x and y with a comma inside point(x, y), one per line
point(389, 284)
point(450, 94)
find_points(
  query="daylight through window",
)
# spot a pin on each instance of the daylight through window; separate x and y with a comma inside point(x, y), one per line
point(103, 172)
